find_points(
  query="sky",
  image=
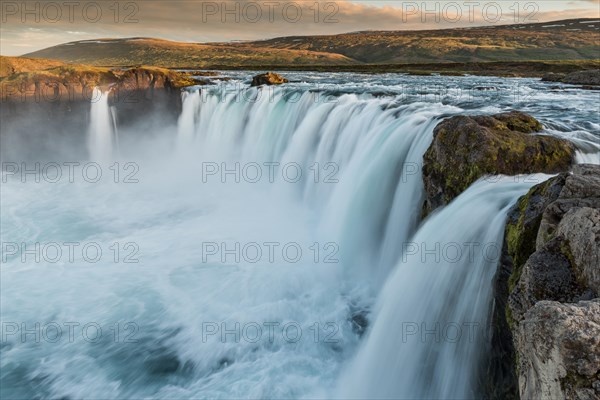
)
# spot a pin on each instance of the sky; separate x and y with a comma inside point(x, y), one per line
point(27, 26)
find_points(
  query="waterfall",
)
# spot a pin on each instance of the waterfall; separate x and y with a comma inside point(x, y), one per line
point(368, 152)
point(424, 288)
point(432, 315)
point(373, 213)
point(442, 272)
point(102, 128)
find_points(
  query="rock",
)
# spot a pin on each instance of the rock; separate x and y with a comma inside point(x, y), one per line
point(580, 189)
point(269, 78)
point(555, 212)
point(547, 275)
point(525, 217)
point(584, 182)
point(581, 229)
point(466, 148)
point(588, 77)
point(553, 77)
point(552, 237)
point(70, 83)
point(45, 112)
point(551, 249)
point(559, 351)
point(360, 322)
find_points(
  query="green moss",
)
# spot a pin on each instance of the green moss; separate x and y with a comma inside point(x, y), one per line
point(467, 148)
point(521, 235)
point(520, 122)
point(575, 381)
point(509, 317)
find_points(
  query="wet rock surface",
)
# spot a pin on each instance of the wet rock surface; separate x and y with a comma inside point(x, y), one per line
point(559, 351)
point(269, 79)
point(552, 248)
point(466, 148)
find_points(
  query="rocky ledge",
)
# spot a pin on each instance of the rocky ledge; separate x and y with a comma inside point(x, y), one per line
point(546, 332)
point(57, 99)
point(76, 82)
point(465, 148)
point(553, 245)
point(589, 78)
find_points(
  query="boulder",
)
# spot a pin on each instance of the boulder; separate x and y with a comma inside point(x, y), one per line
point(559, 351)
point(466, 148)
point(268, 78)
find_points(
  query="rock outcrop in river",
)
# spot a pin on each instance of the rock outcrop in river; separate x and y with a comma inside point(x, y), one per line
point(465, 148)
point(269, 78)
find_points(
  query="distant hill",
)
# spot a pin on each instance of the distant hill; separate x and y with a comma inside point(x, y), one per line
point(576, 39)
point(165, 53)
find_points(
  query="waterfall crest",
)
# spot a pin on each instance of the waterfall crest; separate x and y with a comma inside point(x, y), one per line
point(371, 150)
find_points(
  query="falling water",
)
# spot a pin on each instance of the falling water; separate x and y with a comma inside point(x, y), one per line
point(432, 315)
point(368, 154)
point(101, 131)
point(361, 188)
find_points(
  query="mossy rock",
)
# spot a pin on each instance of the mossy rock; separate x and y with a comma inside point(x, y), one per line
point(524, 221)
point(466, 148)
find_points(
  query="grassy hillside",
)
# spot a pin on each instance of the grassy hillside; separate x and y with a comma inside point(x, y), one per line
point(15, 65)
point(561, 40)
point(134, 51)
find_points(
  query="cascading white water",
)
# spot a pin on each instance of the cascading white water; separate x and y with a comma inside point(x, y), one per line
point(101, 132)
point(432, 315)
point(367, 199)
point(368, 154)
